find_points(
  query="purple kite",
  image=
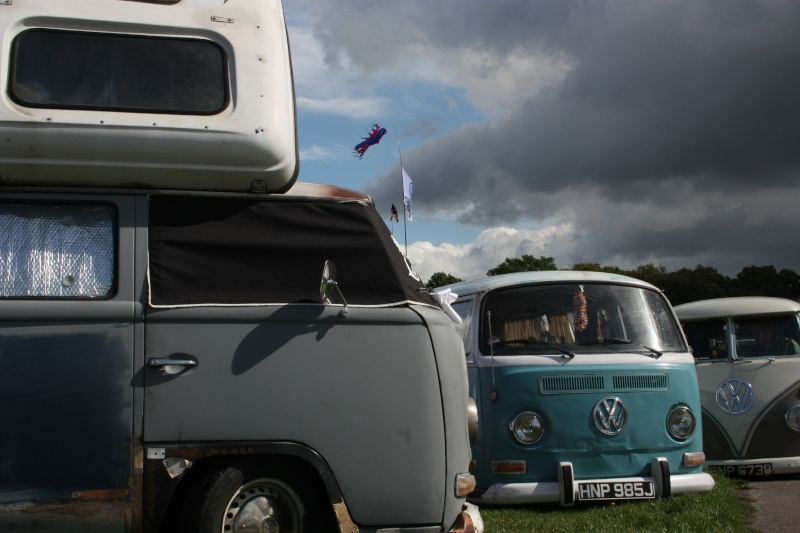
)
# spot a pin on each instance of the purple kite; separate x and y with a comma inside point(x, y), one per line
point(373, 138)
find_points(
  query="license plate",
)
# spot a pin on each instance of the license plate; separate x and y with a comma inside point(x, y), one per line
point(757, 470)
point(616, 490)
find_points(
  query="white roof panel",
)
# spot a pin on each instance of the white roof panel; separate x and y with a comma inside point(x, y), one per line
point(547, 276)
point(735, 306)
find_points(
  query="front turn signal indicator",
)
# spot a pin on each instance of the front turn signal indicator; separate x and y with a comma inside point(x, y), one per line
point(465, 483)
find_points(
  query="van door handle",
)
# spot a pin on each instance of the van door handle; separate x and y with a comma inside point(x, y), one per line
point(171, 366)
point(161, 363)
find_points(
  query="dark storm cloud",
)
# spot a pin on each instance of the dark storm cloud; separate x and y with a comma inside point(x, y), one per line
point(373, 33)
point(726, 241)
point(663, 101)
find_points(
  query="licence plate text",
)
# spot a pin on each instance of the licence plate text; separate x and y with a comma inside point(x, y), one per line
point(616, 490)
point(758, 470)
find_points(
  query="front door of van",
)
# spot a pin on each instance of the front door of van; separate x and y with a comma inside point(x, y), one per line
point(67, 318)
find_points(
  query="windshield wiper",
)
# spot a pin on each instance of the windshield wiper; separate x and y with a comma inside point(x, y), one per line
point(624, 341)
point(566, 353)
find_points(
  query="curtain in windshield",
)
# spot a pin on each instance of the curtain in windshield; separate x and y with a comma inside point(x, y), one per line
point(580, 317)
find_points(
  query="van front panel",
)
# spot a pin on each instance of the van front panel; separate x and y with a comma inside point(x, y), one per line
point(571, 429)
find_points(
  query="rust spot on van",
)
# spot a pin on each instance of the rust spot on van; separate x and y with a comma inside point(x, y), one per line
point(100, 495)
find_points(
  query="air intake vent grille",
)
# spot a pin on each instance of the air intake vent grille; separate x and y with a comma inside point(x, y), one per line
point(601, 383)
point(641, 382)
point(557, 384)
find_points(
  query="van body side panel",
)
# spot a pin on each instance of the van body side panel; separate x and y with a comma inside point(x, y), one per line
point(768, 439)
point(362, 391)
point(65, 406)
point(66, 399)
point(477, 390)
point(452, 376)
point(715, 442)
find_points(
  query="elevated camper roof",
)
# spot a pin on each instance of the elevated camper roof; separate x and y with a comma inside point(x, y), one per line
point(165, 94)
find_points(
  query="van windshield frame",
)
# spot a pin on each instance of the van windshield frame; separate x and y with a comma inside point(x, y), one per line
point(572, 318)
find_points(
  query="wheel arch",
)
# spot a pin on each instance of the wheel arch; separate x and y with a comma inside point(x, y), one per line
point(165, 495)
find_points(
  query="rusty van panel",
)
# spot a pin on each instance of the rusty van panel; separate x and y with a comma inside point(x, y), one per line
point(67, 337)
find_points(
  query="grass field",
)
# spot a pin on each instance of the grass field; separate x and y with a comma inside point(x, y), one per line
point(723, 510)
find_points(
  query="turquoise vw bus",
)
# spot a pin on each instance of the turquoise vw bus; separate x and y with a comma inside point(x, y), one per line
point(585, 388)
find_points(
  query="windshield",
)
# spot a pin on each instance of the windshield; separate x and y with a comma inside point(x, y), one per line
point(571, 318)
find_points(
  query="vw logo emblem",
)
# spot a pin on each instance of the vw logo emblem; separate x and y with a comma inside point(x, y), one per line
point(610, 415)
point(735, 396)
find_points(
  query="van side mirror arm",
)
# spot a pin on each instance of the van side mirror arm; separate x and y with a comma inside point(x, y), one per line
point(329, 284)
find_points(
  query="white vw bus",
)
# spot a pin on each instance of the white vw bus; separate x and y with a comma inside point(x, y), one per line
point(747, 351)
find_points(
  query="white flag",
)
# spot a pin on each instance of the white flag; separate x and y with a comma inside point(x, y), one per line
point(408, 188)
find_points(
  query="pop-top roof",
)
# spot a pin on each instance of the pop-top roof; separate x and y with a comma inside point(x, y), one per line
point(187, 95)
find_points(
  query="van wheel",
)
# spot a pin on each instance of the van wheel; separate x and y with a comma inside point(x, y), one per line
point(238, 500)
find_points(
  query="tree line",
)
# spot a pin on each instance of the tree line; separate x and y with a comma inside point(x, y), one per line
point(680, 286)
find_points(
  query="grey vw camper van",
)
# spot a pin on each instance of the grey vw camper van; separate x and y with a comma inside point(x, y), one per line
point(747, 351)
point(190, 338)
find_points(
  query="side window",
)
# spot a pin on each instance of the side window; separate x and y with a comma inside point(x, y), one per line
point(707, 338)
point(464, 310)
point(663, 321)
point(56, 251)
point(767, 336)
point(88, 70)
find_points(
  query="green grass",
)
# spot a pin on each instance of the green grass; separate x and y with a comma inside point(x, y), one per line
point(725, 509)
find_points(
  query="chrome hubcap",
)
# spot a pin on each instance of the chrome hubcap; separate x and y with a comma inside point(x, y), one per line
point(262, 506)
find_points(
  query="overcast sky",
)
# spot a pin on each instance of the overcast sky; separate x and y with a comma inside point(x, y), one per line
point(617, 132)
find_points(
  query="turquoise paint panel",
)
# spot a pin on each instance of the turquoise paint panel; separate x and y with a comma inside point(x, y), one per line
point(570, 432)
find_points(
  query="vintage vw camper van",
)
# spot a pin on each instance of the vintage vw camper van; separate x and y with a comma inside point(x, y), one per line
point(748, 365)
point(191, 339)
point(585, 387)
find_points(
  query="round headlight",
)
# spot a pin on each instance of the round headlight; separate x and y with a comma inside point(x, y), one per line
point(680, 422)
point(527, 427)
point(793, 418)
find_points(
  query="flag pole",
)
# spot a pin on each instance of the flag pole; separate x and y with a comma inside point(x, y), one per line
point(405, 209)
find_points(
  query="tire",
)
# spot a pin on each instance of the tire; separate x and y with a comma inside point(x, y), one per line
point(245, 499)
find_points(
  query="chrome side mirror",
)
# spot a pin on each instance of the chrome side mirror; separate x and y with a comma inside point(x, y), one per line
point(329, 284)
